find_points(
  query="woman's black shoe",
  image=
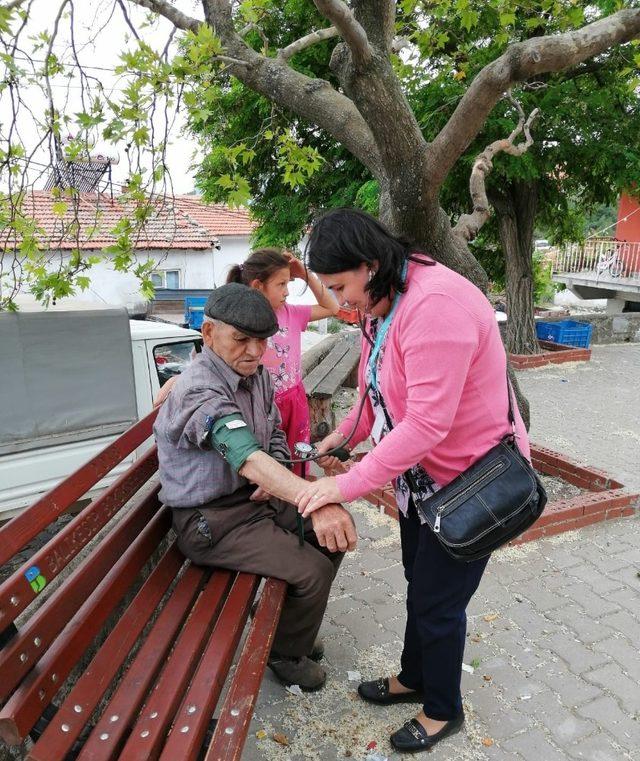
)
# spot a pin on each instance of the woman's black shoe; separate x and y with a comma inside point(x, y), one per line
point(378, 692)
point(413, 737)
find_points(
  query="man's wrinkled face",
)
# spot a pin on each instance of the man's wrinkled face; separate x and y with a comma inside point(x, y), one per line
point(241, 352)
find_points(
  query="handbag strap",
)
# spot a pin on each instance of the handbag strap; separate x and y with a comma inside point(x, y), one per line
point(512, 419)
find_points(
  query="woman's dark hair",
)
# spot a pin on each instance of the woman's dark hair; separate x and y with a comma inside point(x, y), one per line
point(343, 239)
point(259, 265)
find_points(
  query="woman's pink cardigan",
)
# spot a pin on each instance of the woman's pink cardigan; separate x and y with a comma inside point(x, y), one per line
point(443, 379)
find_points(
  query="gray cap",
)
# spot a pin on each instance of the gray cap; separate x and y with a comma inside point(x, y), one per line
point(243, 307)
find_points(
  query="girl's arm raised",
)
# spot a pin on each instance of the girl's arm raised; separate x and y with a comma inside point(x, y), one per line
point(327, 304)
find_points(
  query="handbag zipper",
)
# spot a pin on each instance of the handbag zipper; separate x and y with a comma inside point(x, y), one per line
point(442, 508)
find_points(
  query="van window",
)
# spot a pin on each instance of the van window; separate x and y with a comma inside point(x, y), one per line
point(171, 359)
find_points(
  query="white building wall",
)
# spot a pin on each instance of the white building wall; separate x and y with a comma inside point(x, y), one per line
point(196, 267)
point(234, 249)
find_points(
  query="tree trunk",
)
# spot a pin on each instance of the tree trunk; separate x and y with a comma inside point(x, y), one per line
point(516, 207)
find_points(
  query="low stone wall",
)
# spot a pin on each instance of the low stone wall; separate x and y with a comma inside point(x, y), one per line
point(608, 328)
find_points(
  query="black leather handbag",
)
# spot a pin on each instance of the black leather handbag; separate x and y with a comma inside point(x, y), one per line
point(493, 501)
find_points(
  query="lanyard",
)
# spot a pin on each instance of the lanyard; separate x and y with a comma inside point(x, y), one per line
point(380, 335)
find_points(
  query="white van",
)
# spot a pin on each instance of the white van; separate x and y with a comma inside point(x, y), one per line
point(71, 381)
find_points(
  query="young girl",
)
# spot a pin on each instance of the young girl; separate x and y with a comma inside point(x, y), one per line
point(269, 270)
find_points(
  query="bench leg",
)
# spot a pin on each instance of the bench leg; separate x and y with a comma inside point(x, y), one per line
point(320, 411)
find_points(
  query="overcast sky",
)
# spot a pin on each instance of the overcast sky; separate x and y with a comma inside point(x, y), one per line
point(98, 53)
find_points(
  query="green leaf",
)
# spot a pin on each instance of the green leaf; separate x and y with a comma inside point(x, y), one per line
point(59, 208)
point(225, 181)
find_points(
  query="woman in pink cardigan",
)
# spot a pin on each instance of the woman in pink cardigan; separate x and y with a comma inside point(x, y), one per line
point(433, 368)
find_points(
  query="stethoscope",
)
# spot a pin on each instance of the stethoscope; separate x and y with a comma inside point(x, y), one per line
point(308, 452)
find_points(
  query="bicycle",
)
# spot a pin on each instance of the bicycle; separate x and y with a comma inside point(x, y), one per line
point(609, 263)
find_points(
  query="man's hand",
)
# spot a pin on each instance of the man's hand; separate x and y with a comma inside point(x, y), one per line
point(334, 528)
point(260, 495)
point(316, 494)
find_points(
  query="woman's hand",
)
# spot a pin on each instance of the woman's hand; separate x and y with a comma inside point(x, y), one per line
point(332, 441)
point(164, 391)
point(296, 267)
point(317, 494)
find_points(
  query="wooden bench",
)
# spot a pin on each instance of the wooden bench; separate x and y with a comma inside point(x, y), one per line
point(122, 644)
point(338, 368)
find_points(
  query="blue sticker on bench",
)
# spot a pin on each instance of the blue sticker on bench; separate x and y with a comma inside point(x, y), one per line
point(36, 580)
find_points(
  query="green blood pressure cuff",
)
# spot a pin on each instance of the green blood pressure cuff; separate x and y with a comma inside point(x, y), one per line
point(231, 437)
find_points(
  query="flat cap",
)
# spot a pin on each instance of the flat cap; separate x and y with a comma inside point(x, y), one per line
point(243, 307)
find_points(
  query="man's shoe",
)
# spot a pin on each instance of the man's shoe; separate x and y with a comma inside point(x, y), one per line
point(377, 691)
point(413, 737)
point(317, 651)
point(301, 671)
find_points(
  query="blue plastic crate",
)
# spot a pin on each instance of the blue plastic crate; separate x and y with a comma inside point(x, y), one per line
point(194, 311)
point(568, 332)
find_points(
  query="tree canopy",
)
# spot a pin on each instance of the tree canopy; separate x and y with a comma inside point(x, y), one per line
point(304, 104)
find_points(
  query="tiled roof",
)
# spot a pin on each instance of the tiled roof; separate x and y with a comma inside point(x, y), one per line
point(216, 217)
point(97, 214)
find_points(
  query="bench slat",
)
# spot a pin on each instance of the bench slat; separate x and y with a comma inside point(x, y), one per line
point(97, 677)
point(40, 686)
point(336, 377)
point(20, 654)
point(16, 594)
point(233, 724)
point(163, 699)
point(320, 371)
point(24, 527)
point(207, 683)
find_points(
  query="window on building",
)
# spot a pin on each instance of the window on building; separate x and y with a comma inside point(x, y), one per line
point(166, 278)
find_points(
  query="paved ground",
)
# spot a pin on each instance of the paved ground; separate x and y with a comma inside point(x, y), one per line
point(552, 634)
point(553, 630)
point(591, 410)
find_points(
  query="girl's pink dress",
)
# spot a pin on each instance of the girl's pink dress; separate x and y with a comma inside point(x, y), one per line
point(283, 360)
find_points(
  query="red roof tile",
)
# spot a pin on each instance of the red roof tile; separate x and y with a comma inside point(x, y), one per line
point(97, 214)
point(216, 217)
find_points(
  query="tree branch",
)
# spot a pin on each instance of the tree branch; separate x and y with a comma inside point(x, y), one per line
point(399, 43)
point(134, 31)
point(313, 100)
point(469, 224)
point(520, 62)
point(256, 28)
point(340, 15)
point(377, 18)
point(171, 13)
point(307, 41)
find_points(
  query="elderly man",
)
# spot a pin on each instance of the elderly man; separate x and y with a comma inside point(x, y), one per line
point(219, 446)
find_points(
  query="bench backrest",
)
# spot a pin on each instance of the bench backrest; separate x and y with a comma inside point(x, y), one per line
point(111, 589)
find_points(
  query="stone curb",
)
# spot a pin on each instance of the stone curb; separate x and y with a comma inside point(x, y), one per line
point(554, 354)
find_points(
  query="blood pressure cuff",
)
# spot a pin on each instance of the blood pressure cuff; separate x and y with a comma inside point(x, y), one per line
point(231, 437)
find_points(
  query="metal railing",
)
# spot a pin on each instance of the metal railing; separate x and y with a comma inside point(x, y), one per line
point(600, 259)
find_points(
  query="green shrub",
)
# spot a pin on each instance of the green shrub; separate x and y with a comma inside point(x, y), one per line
point(544, 288)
